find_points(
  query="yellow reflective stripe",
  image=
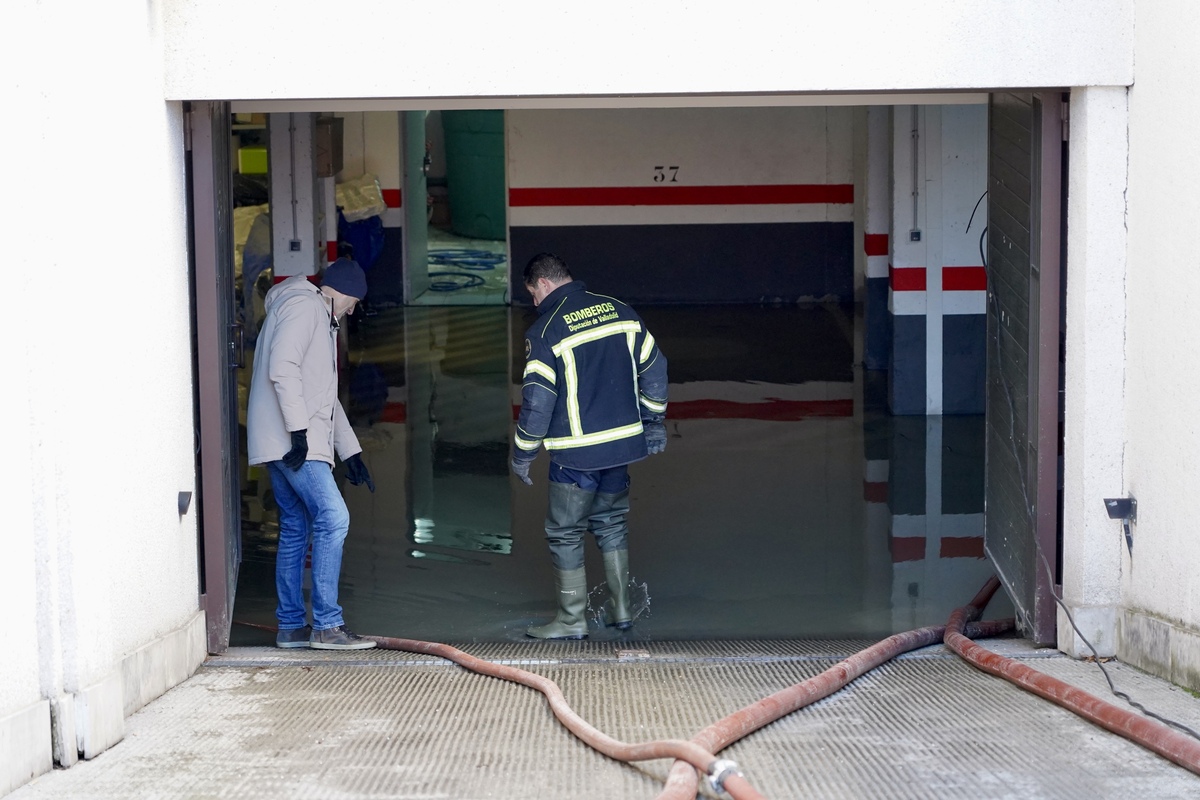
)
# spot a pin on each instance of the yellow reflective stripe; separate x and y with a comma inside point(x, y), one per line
point(647, 347)
point(573, 416)
point(654, 405)
point(525, 444)
point(540, 386)
point(540, 368)
point(591, 335)
point(599, 437)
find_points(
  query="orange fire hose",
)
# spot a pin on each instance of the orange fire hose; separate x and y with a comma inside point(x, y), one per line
point(1154, 736)
point(682, 780)
point(722, 772)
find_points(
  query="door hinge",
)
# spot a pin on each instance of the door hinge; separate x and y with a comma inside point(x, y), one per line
point(187, 131)
point(1066, 120)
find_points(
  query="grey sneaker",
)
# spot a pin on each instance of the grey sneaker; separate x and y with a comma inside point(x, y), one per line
point(296, 637)
point(338, 638)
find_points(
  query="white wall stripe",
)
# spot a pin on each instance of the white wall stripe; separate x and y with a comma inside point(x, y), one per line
point(906, 303)
point(876, 471)
point(877, 266)
point(958, 302)
point(552, 216)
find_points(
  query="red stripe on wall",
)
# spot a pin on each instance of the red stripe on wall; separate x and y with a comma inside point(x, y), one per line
point(962, 547)
point(331, 251)
point(964, 279)
point(907, 279)
point(875, 492)
point(907, 548)
point(772, 194)
point(391, 197)
point(771, 410)
point(394, 412)
point(875, 244)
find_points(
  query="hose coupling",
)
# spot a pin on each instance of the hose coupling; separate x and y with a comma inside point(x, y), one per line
point(720, 771)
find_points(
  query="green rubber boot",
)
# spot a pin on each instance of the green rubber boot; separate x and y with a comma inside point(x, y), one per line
point(570, 622)
point(616, 572)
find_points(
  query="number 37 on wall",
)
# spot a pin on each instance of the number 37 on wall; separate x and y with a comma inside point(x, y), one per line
point(666, 174)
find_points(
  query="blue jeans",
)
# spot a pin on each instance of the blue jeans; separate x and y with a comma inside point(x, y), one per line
point(309, 505)
point(610, 481)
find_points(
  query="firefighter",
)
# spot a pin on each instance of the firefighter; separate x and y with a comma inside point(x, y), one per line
point(594, 394)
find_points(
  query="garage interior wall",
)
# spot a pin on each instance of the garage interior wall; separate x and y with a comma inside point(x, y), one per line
point(759, 208)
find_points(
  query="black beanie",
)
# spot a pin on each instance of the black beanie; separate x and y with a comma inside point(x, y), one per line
point(347, 277)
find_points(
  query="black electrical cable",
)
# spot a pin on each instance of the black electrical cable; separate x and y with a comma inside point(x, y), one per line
point(453, 281)
point(479, 260)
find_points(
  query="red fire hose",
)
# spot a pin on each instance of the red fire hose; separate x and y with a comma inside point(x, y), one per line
point(699, 753)
point(682, 780)
point(723, 773)
point(1170, 744)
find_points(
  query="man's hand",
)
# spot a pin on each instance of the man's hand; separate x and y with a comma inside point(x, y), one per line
point(520, 468)
point(356, 471)
point(656, 437)
point(294, 459)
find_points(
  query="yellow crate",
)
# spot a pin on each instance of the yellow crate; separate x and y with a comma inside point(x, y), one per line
point(252, 160)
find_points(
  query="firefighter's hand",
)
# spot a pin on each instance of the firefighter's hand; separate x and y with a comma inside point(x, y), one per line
point(294, 459)
point(656, 437)
point(357, 473)
point(520, 468)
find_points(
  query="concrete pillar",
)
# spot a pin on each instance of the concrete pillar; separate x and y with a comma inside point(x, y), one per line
point(907, 273)
point(878, 220)
point(937, 286)
point(1093, 546)
point(297, 238)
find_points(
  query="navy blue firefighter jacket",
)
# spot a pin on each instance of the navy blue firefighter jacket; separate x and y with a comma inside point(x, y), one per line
point(593, 375)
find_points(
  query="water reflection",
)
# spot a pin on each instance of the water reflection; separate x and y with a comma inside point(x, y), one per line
point(788, 504)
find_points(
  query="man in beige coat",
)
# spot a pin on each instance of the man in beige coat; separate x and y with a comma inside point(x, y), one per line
point(295, 426)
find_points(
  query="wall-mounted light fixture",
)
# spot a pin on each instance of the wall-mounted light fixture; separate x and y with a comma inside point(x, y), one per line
point(1124, 509)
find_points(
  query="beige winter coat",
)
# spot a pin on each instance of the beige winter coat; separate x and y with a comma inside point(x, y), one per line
point(294, 384)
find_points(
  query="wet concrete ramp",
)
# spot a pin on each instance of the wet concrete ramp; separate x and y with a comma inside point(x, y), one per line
point(260, 722)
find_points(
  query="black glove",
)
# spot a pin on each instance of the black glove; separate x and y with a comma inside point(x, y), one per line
point(520, 468)
point(656, 437)
point(294, 459)
point(356, 471)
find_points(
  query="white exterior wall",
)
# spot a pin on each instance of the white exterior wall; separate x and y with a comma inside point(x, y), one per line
point(102, 441)
point(97, 396)
point(1160, 583)
point(1095, 351)
point(546, 48)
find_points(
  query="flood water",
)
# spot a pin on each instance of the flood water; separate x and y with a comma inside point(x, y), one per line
point(788, 503)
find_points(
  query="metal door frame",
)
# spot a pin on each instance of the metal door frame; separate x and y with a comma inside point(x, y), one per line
point(215, 364)
point(1048, 109)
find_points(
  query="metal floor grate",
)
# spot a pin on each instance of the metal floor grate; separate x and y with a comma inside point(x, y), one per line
point(258, 722)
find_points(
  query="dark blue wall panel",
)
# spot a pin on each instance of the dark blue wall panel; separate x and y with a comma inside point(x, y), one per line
point(878, 322)
point(726, 263)
point(964, 363)
point(906, 372)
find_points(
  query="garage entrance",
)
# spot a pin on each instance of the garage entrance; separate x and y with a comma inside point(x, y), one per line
point(830, 514)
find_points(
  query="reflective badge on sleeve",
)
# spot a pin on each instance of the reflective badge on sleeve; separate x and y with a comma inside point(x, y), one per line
point(528, 349)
